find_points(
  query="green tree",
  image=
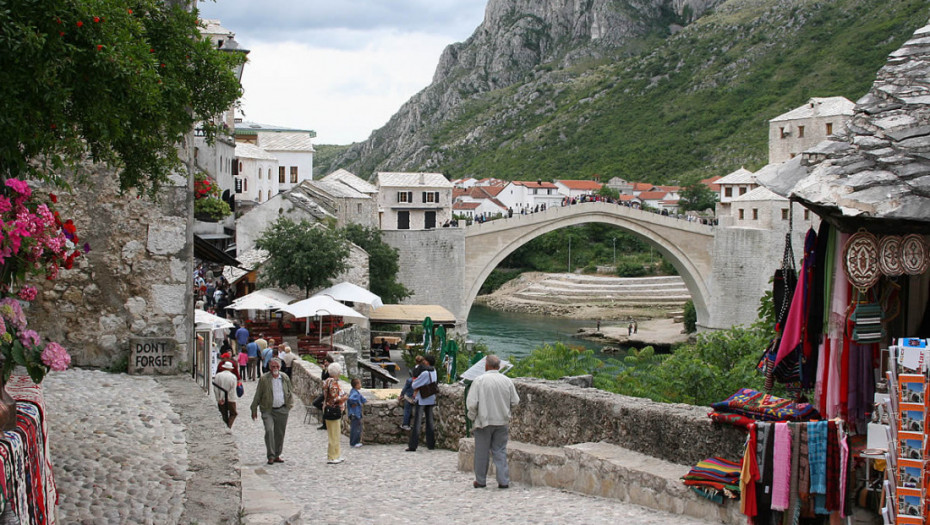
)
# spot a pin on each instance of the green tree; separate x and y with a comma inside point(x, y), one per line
point(608, 192)
point(697, 197)
point(382, 263)
point(690, 317)
point(302, 254)
point(109, 81)
point(555, 361)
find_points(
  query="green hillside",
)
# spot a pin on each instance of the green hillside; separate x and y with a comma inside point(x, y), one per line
point(695, 104)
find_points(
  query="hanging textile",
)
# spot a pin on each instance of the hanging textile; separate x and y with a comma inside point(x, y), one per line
point(791, 351)
point(781, 461)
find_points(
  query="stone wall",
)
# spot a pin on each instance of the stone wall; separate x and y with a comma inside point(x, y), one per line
point(432, 266)
point(134, 283)
point(556, 413)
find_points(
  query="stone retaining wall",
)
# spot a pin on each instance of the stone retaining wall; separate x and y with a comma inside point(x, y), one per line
point(555, 414)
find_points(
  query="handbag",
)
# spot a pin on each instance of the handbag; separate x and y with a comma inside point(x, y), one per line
point(867, 319)
point(429, 389)
point(332, 413)
point(240, 390)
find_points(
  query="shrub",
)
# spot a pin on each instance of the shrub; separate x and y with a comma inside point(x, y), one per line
point(690, 317)
point(628, 269)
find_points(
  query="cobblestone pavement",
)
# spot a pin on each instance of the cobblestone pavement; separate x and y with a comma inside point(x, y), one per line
point(132, 449)
point(140, 450)
point(385, 484)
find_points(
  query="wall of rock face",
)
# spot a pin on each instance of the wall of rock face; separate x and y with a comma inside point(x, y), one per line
point(557, 413)
point(134, 283)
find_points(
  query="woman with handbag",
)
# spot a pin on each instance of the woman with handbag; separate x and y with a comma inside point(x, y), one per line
point(334, 400)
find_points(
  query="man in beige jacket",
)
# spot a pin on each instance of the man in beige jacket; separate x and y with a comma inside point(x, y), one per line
point(489, 401)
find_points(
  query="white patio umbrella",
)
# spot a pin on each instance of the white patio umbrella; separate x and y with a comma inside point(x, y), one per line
point(204, 319)
point(347, 291)
point(321, 305)
point(256, 301)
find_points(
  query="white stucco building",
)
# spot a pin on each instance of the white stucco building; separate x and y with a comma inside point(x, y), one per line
point(255, 174)
point(577, 188)
point(806, 126)
point(413, 201)
point(527, 195)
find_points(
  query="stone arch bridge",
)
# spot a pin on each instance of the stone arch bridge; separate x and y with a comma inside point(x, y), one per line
point(686, 245)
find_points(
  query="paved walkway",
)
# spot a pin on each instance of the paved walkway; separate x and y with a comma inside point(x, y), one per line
point(142, 450)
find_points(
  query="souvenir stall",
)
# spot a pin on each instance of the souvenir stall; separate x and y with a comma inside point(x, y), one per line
point(852, 325)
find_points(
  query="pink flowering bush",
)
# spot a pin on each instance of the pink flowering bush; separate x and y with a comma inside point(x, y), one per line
point(33, 240)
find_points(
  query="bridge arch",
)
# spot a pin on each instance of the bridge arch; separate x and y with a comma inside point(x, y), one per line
point(686, 245)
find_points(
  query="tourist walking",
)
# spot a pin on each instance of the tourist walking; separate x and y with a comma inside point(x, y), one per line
point(274, 396)
point(242, 337)
point(334, 400)
point(324, 375)
point(425, 386)
point(354, 411)
point(243, 359)
point(489, 401)
point(288, 361)
point(252, 350)
point(224, 388)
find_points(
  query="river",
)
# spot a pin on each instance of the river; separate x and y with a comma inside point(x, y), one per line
point(512, 334)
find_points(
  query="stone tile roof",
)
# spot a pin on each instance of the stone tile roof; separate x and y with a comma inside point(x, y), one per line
point(740, 176)
point(251, 259)
point(403, 179)
point(877, 175)
point(534, 184)
point(759, 194)
point(818, 107)
point(350, 179)
point(286, 141)
point(250, 151)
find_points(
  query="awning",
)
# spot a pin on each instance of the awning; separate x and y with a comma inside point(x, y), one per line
point(411, 314)
point(205, 251)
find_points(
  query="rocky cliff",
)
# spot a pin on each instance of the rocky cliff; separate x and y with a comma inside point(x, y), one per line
point(517, 41)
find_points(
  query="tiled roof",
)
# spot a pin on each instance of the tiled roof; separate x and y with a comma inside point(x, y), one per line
point(485, 192)
point(642, 186)
point(628, 197)
point(712, 182)
point(581, 185)
point(675, 189)
point(465, 205)
point(404, 179)
point(285, 141)
point(759, 194)
point(534, 184)
point(652, 195)
point(877, 174)
point(256, 127)
point(350, 179)
point(740, 176)
point(819, 107)
point(250, 151)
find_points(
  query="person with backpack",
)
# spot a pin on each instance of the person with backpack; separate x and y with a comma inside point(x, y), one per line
point(426, 386)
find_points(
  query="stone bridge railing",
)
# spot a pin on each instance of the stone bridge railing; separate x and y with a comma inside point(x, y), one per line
point(556, 413)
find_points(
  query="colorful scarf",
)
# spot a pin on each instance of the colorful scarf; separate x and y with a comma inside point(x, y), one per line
point(781, 460)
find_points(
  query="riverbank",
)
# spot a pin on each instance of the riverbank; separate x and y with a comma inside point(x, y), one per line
point(654, 302)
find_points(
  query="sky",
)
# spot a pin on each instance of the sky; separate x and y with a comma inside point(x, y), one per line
point(339, 67)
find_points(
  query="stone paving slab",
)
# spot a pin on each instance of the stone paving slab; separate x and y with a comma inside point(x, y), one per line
point(385, 484)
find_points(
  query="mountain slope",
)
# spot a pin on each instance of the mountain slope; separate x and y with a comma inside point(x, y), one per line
point(560, 89)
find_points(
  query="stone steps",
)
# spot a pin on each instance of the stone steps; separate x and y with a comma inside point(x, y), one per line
point(607, 471)
point(602, 300)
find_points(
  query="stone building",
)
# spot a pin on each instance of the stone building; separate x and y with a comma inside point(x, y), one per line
point(806, 126)
point(292, 147)
point(527, 195)
point(732, 186)
point(413, 201)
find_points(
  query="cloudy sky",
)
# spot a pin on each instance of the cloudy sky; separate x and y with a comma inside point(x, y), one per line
point(341, 68)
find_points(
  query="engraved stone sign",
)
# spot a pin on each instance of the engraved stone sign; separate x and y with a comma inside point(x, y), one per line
point(153, 355)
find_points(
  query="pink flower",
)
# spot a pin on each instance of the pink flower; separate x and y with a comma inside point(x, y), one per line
point(30, 338)
point(19, 186)
point(56, 357)
point(12, 312)
point(28, 293)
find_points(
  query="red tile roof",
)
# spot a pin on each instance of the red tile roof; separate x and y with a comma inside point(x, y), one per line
point(642, 186)
point(582, 185)
point(710, 182)
point(652, 195)
point(465, 205)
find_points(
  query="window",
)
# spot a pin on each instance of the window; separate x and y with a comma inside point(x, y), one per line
point(781, 132)
point(741, 214)
point(281, 179)
point(728, 191)
point(245, 185)
point(743, 190)
point(807, 215)
point(829, 128)
point(800, 132)
point(784, 214)
point(259, 174)
point(268, 192)
point(405, 196)
point(430, 196)
point(360, 207)
point(240, 165)
point(755, 214)
point(293, 174)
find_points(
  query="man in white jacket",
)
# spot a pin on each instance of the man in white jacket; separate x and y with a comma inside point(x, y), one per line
point(224, 387)
point(489, 401)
